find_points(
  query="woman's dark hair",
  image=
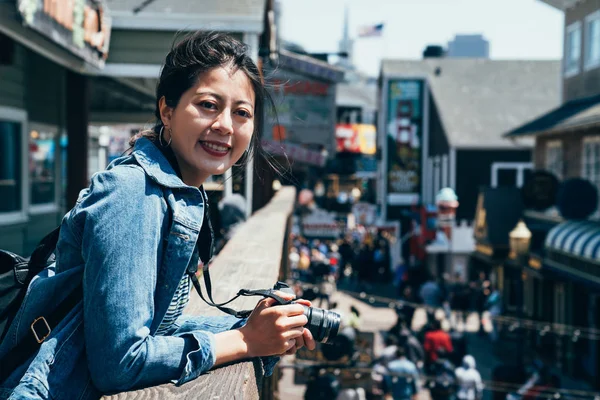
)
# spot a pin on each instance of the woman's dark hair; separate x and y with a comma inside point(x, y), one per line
point(195, 54)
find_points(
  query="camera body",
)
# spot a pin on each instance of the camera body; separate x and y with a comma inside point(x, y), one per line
point(323, 324)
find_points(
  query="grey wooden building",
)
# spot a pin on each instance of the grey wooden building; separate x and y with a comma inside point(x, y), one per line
point(52, 91)
point(468, 105)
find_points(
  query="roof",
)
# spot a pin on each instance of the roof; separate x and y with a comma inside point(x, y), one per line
point(230, 15)
point(310, 66)
point(562, 5)
point(480, 99)
point(578, 113)
point(356, 94)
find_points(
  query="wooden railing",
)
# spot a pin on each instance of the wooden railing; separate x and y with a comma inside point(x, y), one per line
point(255, 257)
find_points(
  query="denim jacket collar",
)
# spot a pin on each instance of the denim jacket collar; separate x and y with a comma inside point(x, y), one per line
point(156, 165)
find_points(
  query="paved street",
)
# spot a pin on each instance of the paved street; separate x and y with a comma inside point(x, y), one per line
point(378, 319)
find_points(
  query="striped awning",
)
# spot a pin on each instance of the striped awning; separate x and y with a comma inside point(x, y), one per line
point(578, 238)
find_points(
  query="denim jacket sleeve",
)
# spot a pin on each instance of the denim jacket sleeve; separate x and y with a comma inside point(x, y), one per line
point(120, 221)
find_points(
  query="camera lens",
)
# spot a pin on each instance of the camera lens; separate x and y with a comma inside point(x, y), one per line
point(323, 324)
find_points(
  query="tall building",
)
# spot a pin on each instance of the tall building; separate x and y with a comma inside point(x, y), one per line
point(472, 46)
point(346, 44)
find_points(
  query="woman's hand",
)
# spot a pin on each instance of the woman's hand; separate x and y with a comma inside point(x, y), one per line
point(275, 329)
point(306, 339)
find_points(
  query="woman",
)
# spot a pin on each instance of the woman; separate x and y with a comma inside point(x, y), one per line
point(134, 232)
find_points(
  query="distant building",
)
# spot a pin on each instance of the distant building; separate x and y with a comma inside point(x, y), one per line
point(472, 46)
point(463, 116)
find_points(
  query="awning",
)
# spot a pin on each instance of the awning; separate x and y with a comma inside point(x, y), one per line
point(578, 113)
point(576, 238)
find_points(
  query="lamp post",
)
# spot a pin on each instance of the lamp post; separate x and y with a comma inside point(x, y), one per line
point(520, 241)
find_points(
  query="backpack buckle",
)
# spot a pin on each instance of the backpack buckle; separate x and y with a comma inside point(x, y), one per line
point(47, 328)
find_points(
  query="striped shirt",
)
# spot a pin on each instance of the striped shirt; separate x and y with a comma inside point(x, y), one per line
point(180, 300)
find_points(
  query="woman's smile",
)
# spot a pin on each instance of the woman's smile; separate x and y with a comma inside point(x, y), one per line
point(215, 149)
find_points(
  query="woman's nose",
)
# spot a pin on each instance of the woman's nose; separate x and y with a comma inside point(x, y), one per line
point(223, 124)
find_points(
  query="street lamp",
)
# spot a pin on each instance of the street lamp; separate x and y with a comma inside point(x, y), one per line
point(520, 240)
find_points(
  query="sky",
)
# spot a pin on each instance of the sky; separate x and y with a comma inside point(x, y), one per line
point(516, 29)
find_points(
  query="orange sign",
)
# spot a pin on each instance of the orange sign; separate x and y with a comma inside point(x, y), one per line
point(356, 138)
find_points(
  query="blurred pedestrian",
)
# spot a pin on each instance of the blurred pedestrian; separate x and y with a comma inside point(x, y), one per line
point(409, 305)
point(435, 340)
point(402, 380)
point(443, 384)
point(494, 305)
point(431, 294)
point(459, 301)
point(470, 386)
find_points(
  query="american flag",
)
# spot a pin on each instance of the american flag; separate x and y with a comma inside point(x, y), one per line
point(370, 30)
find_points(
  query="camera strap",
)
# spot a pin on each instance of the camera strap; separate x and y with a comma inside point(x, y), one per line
point(206, 257)
point(242, 292)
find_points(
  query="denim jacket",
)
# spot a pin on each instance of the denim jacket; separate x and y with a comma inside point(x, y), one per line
point(129, 239)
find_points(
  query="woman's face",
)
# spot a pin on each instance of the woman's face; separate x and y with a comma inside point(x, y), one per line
point(212, 124)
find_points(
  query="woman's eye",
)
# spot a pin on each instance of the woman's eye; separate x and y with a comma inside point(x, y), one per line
point(244, 114)
point(208, 105)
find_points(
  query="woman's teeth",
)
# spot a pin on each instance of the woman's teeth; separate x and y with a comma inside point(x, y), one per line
point(215, 147)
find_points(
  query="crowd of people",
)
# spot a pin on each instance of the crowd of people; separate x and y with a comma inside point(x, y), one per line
point(430, 357)
point(414, 357)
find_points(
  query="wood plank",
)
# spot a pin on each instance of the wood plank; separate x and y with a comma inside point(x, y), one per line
point(251, 259)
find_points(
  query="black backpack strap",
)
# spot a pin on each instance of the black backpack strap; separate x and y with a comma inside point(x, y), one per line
point(43, 251)
point(38, 332)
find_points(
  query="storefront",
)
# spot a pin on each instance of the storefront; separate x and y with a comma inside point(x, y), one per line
point(573, 259)
point(45, 48)
point(498, 211)
point(300, 130)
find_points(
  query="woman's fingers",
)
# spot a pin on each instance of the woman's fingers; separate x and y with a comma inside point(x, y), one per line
point(291, 344)
point(293, 333)
point(304, 302)
point(308, 340)
point(294, 321)
point(284, 295)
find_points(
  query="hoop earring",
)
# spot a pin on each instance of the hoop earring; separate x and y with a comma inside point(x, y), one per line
point(160, 137)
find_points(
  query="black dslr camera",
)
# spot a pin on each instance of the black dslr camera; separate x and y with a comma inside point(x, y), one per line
point(323, 324)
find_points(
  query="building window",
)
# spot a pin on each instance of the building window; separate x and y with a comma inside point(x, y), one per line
point(511, 174)
point(10, 167)
point(592, 40)
point(13, 182)
point(42, 167)
point(554, 158)
point(573, 49)
point(591, 160)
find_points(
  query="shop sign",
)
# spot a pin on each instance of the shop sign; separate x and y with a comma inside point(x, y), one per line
point(313, 88)
point(81, 26)
point(304, 110)
point(365, 167)
point(356, 138)
point(404, 126)
point(321, 223)
point(364, 213)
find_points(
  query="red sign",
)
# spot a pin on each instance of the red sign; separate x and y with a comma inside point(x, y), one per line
point(302, 87)
point(346, 138)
